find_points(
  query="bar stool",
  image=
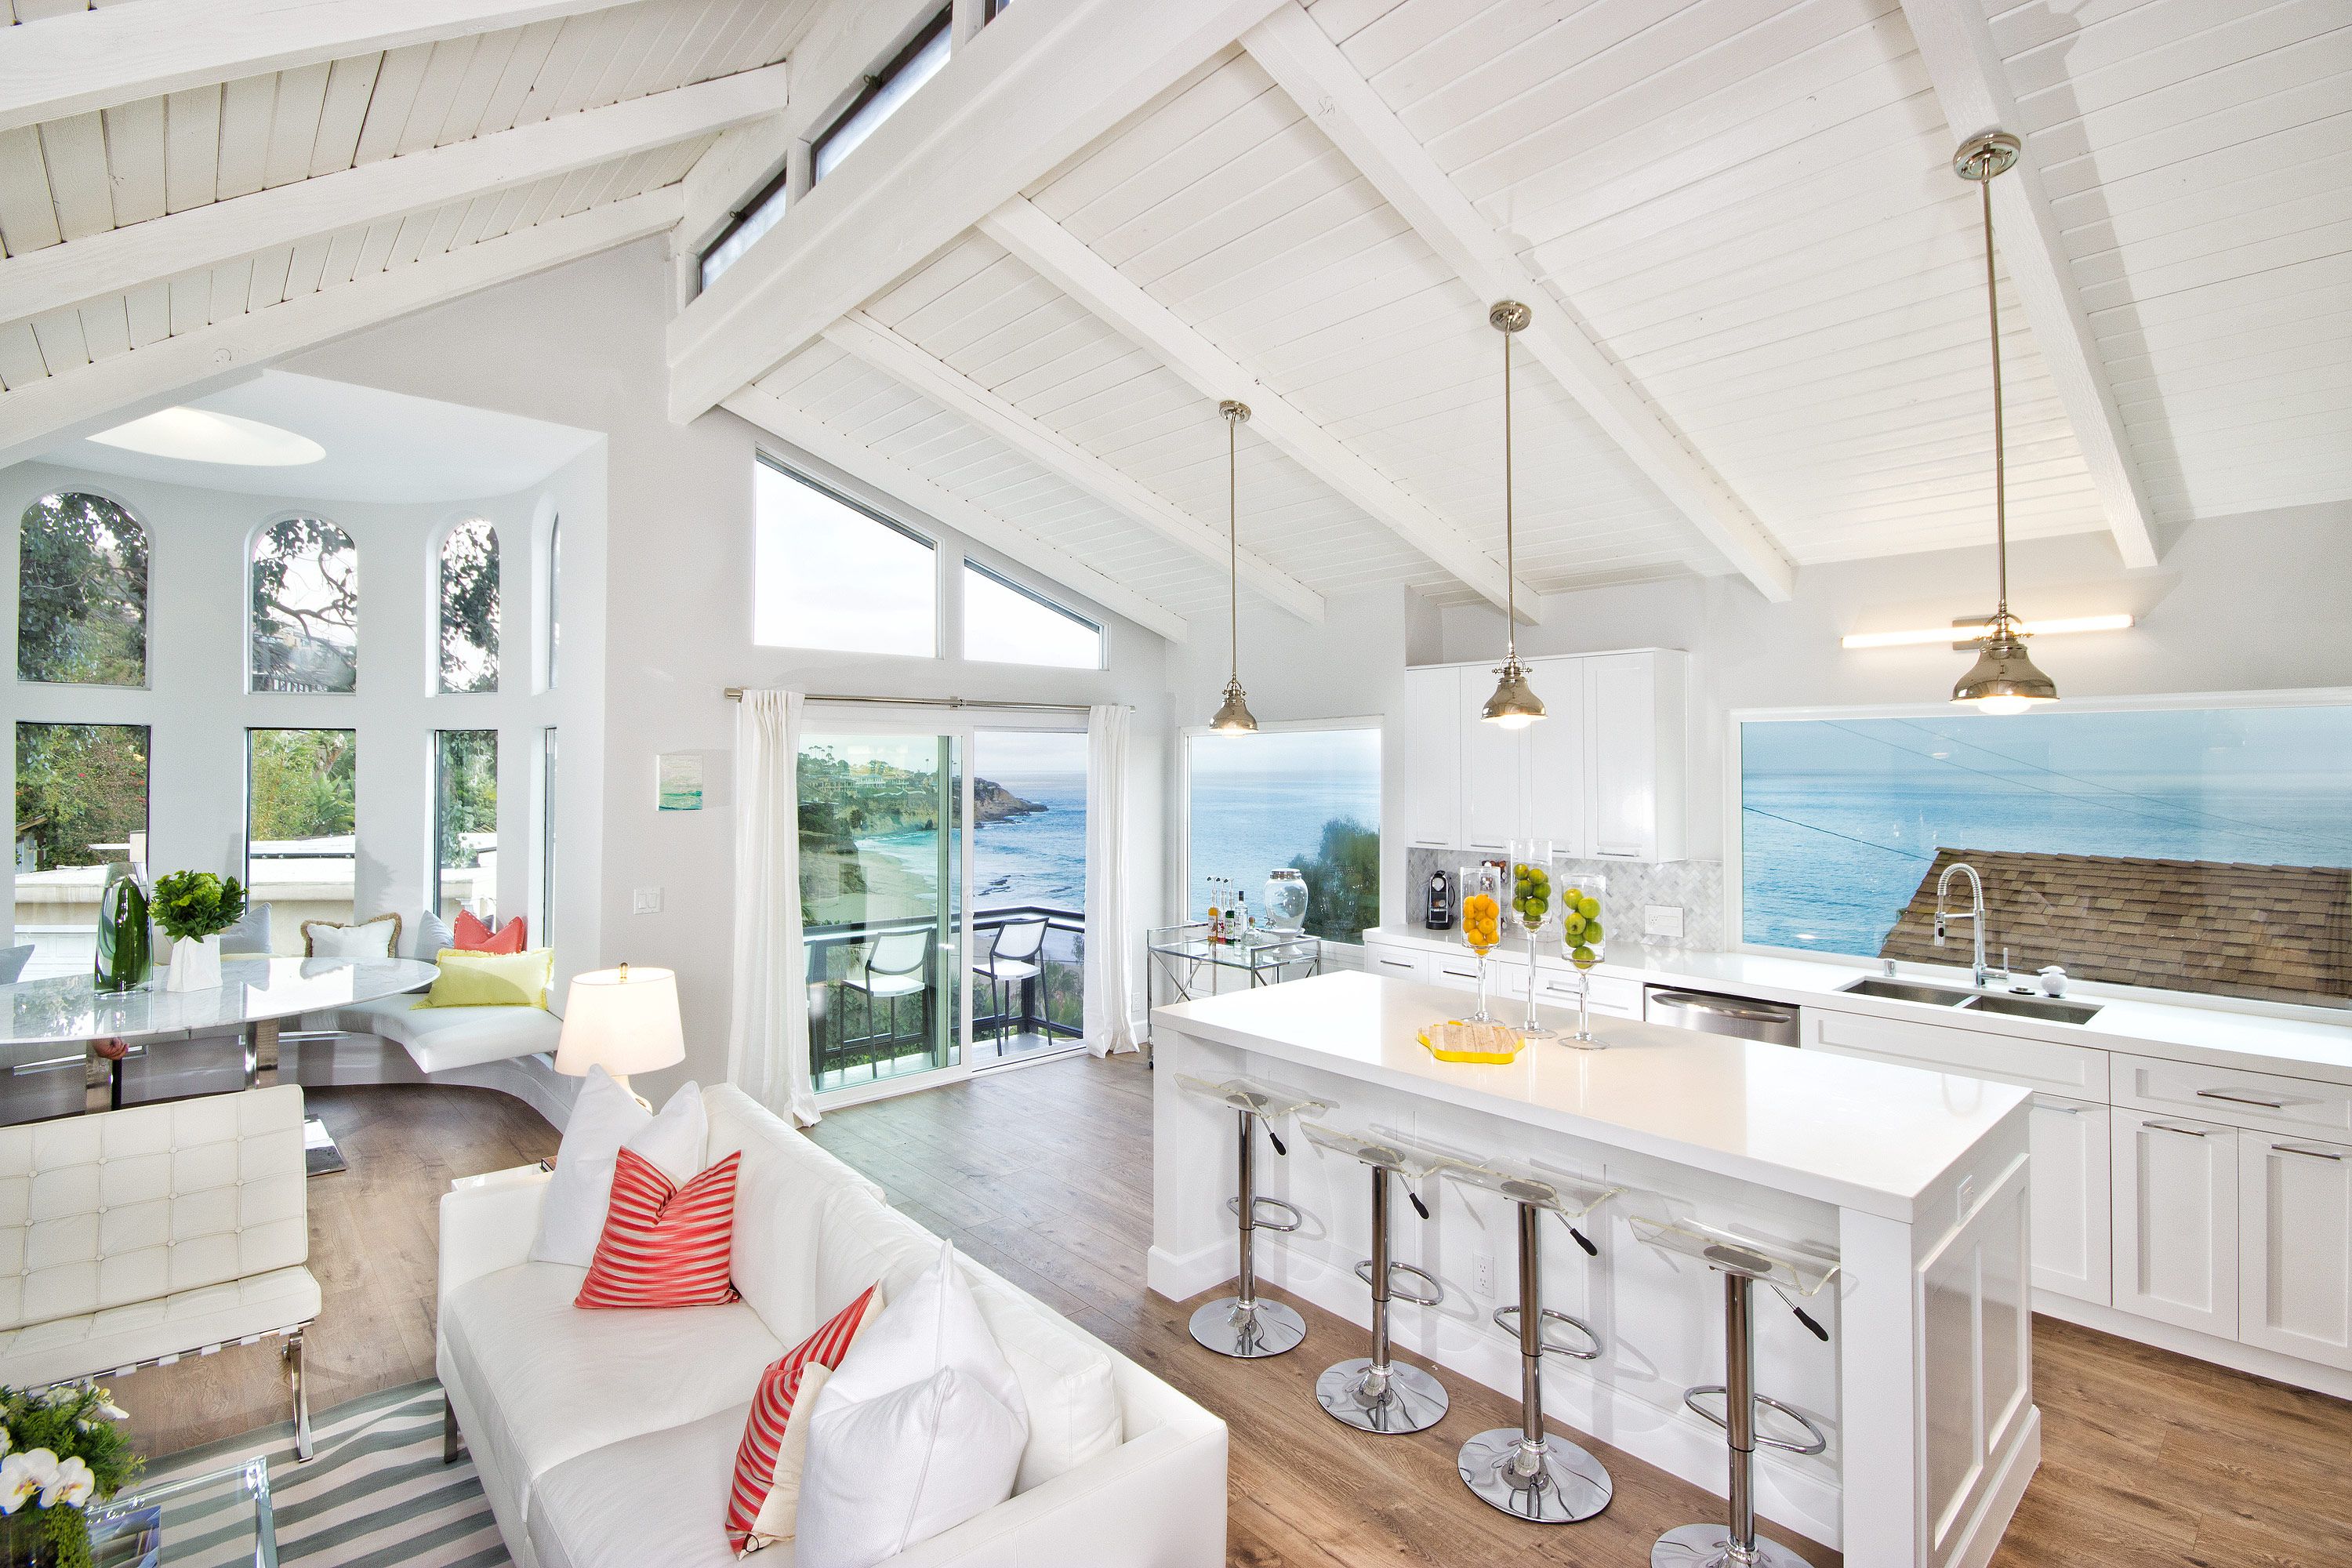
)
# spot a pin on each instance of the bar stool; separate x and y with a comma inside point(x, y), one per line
point(1241, 1325)
point(1372, 1393)
point(1525, 1472)
point(1741, 1260)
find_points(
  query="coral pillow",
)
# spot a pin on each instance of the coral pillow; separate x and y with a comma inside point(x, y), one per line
point(762, 1509)
point(664, 1245)
point(470, 935)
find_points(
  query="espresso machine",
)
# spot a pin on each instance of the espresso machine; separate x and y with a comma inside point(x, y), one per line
point(1437, 902)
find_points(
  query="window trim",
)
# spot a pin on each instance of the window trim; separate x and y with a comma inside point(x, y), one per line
point(1734, 912)
point(1102, 639)
point(1178, 896)
point(146, 597)
point(778, 188)
point(938, 561)
point(876, 80)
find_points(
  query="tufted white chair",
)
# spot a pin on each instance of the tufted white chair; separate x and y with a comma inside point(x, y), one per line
point(133, 1237)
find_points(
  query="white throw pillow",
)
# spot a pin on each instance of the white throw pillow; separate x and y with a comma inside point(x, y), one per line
point(372, 939)
point(432, 934)
point(606, 1118)
point(919, 1429)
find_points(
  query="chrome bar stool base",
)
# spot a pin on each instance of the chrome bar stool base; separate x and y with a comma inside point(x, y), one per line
point(1252, 1332)
point(1407, 1400)
point(1710, 1546)
point(1558, 1483)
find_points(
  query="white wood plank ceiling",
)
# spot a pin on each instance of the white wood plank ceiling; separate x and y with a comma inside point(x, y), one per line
point(1758, 284)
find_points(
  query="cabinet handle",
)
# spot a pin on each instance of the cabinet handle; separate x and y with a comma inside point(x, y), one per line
point(1620, 852)
point(2299, 1148)
point(2169, 1127)
point(2241, 1099)
point(2066, 1110)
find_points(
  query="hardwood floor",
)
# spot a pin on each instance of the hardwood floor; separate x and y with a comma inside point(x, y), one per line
point(373, 1248)
point(2149, 1459)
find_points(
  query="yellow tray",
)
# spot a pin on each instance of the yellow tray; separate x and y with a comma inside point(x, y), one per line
point(1493, 1053)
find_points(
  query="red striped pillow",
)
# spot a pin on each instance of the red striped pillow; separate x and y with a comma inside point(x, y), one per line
point(761, 1463)
point(664, 1245)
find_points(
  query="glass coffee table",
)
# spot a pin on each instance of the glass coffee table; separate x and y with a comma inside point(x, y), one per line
point(221, 1518)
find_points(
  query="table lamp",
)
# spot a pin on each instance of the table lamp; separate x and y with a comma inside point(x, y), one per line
point(623, 1020)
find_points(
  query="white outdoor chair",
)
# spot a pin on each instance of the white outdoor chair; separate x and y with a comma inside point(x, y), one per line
point(1012, 958)
point(890, 967)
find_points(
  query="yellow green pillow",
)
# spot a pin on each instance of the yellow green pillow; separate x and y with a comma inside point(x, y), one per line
point(491, 979)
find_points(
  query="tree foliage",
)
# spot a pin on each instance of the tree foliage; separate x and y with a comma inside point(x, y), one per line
point(465, 792)
point(303, 783)
point(305, 583)
point(82, 592)
point(79, 785)
point(1343, 881)
point(470, 609)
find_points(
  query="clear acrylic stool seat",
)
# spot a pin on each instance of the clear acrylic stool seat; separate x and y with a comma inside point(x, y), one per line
point(1742, 1260)
point(1524, 1472)
point(1241, 1325)
point(1373, 1393)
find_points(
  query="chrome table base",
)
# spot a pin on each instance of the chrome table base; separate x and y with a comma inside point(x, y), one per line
point(1248, 1333)
point(1406, 1400)
point(1710, 1546)
point(1557, 1483)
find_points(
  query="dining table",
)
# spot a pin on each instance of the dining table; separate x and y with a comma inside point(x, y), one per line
point(54, 1022)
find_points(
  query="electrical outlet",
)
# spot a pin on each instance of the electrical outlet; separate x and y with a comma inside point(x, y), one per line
point(646, 902)
point(1662, 920)
point(1482, 1276)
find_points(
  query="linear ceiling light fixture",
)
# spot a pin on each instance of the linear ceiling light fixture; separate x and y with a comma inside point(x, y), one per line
point(1234, 717)
point(1970, 632)
point(2003, 679)
point(1514, 704)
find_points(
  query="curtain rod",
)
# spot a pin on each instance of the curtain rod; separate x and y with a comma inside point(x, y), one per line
point(735, 694)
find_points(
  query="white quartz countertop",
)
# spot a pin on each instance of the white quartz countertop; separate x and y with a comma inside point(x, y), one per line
point(1859, 1134)
point(2298, 1047)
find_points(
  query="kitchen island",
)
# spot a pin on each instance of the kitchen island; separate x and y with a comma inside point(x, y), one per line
point(1913, 1183)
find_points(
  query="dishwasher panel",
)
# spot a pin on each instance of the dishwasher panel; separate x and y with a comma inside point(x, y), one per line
point(1773, 1023)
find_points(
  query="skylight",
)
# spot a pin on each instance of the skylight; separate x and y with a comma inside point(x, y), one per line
point(201, 435)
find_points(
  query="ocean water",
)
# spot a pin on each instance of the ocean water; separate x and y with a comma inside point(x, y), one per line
point(1245, 827)
point(1038, 858)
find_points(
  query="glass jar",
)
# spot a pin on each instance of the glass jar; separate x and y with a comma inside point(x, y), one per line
point(1286, 903)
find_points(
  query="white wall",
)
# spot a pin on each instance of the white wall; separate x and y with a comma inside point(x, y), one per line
point(197, 708)
point(582, 346)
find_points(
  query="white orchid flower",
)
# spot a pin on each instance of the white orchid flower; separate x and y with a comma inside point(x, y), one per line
point(72, 1484)
point(6, 1441)
point(22, 1475)
point(108, 1408)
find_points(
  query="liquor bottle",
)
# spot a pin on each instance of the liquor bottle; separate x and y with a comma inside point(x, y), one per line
point(1240, 917)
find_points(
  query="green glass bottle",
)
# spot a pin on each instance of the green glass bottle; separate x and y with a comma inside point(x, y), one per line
point(126, 955)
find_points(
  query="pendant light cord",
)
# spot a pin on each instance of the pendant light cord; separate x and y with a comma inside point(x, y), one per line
point(1510, 564)
point(1233, 552)
point(2000, 445)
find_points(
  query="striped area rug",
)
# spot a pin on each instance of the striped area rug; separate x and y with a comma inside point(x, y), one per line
point(375, 1493)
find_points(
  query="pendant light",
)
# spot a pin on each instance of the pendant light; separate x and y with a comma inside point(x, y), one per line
point(1234, 717)
point(1514, 705)
point(2003, 679)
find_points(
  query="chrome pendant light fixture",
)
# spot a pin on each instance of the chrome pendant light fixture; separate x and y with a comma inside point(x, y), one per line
point(2003, 679)
point(1234, 718)
point(1514, 705)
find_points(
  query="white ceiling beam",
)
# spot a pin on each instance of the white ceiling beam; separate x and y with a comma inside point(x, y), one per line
point(112, 261)
point(1065, 261)
point(1965, 68)
point(1308, 66)
point(861, 335)
point(36, 415)
point(1040, 84)
point(117, 54)
point(764, 409)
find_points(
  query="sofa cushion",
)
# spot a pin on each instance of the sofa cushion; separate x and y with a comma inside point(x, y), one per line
point(441, 1038)
point(664, 1245)
point(552, 1381)
point(98, 1342)
point(861, 1240)
point(780, 1198)
point(660, 1498)
point(605, 1117)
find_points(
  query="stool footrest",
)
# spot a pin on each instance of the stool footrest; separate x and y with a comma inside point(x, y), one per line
point(1814, 1442)
point(1436, 1287)
point(1296, 1219)
point(1507, 1319)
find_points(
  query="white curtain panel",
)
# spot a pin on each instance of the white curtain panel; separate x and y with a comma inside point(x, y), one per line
point(1108, 1012)
point(768, 1036)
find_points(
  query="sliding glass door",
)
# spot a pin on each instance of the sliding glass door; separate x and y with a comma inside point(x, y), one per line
point(1029, 893)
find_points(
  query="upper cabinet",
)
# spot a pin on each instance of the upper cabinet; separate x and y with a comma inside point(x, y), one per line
point(1601, 776)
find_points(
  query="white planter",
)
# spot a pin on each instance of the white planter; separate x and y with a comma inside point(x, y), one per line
point(195, 965)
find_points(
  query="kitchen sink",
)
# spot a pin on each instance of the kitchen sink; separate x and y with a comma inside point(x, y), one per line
point(1899, 991)
point(2047, 1009)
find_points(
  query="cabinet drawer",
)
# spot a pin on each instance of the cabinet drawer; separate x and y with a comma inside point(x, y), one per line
point(1559, 988)
point(2069, 1195)
point(1456, 972)
point(2077, 1072)
point(1396, 963)
point(2265, 1101)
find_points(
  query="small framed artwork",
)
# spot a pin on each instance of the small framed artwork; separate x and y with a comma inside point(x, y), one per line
point(677, 780)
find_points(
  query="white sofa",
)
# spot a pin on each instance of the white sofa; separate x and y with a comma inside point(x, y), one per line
point(136, 1237)
point(606, 1440)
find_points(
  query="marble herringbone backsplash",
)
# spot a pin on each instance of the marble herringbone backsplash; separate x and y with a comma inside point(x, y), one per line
point(1695, 885)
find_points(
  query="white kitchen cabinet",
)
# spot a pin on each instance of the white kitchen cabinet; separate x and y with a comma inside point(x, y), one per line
point(2295, 1246)
point(1428, 758)
point(2176, 1220)
point(2070, 1186)
point(1395, 963)
point(1558, 783)
point(1634, 705)
point(1494, 777)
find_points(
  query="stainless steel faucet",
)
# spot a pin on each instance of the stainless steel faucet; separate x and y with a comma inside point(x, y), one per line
point(1974, 914)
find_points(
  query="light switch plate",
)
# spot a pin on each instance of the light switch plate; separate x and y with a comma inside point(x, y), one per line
point(1662, 920)
point(646, 902)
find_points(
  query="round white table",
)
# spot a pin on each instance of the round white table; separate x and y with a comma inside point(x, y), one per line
point(256, 995)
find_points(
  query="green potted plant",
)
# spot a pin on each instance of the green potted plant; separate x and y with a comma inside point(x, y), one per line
point(60, 1451)
point(193, 908)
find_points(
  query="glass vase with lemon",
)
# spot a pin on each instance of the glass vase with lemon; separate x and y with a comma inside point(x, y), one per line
point(1482, 922)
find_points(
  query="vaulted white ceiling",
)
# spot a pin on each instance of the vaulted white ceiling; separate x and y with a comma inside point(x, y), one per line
point(1759, 337)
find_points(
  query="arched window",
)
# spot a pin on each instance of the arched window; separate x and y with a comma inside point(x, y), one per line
point(305, 587)
point(81, 593)
point(469, 607)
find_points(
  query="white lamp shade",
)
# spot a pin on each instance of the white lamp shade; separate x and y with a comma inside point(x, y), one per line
point(623, 1020)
